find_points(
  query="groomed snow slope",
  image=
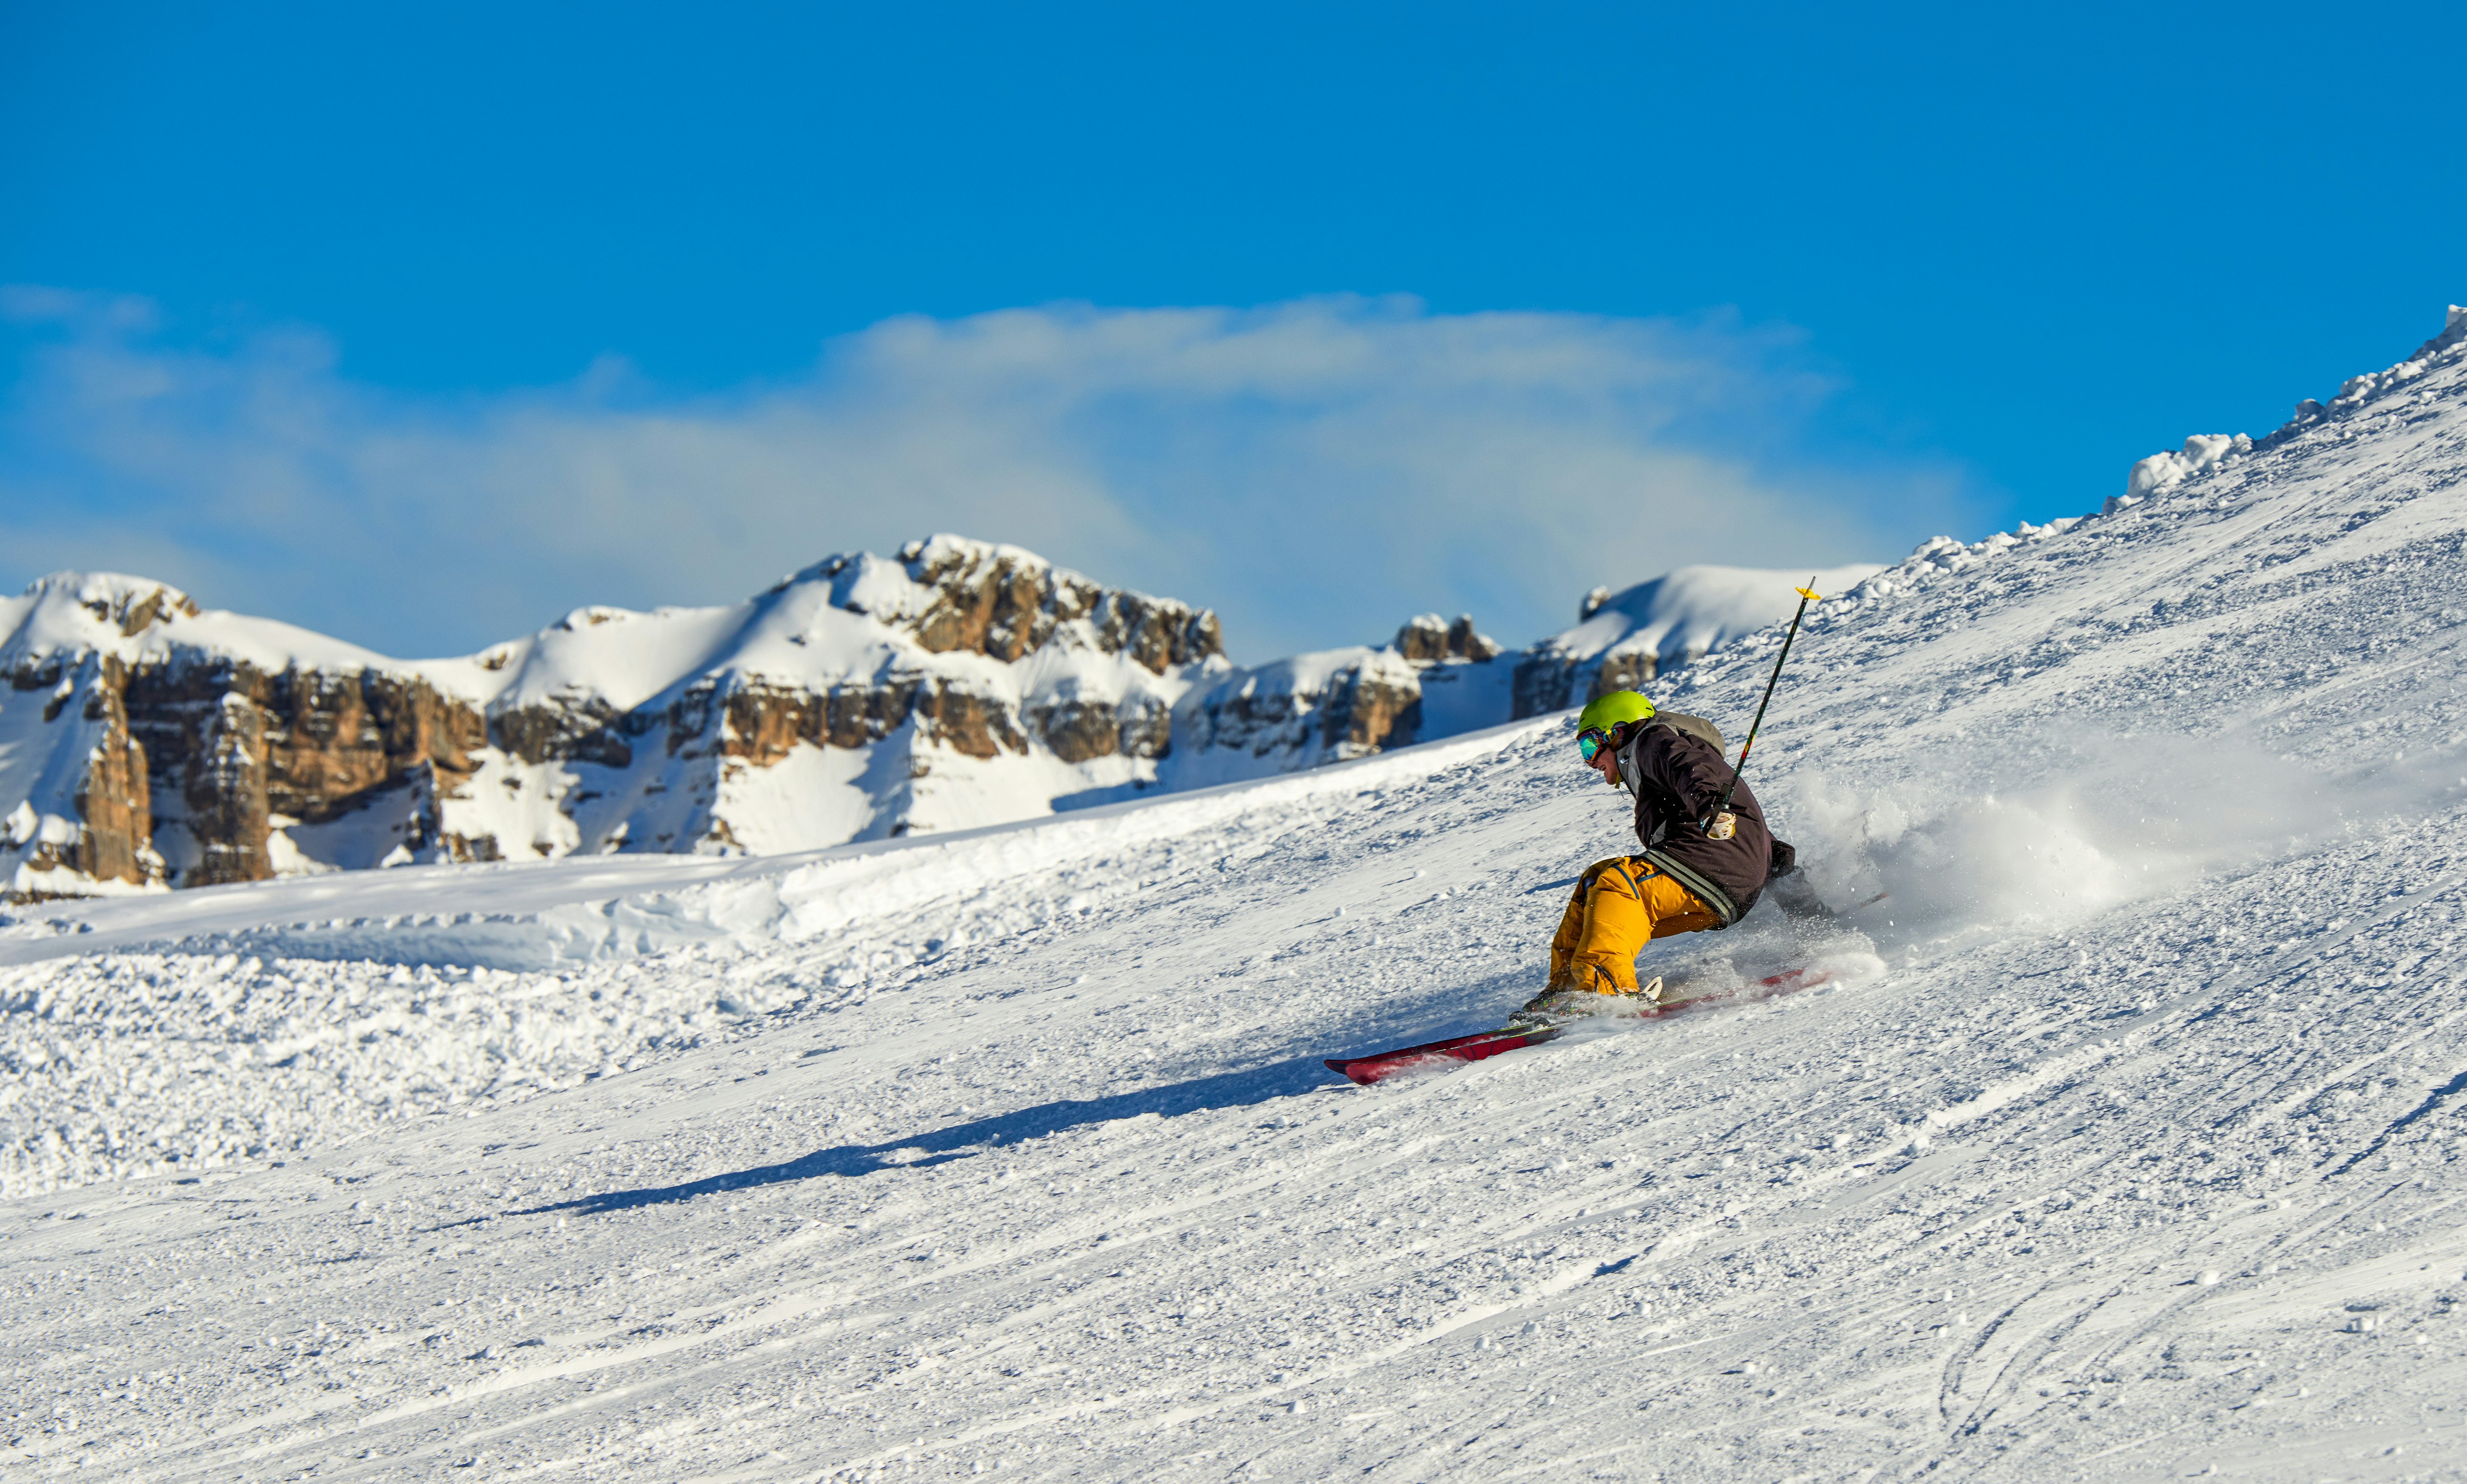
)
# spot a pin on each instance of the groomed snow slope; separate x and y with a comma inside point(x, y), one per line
point(2133, 1151)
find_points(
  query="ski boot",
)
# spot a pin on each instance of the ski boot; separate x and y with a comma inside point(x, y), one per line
point(1566, 1006)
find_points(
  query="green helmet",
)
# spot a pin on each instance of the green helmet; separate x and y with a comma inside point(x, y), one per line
point(1608, 711)
point(1597, 725)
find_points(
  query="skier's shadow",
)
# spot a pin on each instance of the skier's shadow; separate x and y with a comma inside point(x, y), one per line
point(1375, 1025)
point(961, 1141)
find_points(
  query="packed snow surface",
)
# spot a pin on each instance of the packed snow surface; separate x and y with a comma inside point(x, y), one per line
point(2126, 1144)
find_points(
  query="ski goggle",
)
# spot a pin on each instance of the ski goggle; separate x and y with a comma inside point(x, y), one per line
point(1591, 741)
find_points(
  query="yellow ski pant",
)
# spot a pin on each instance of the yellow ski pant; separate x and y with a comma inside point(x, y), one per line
point(1619, 904)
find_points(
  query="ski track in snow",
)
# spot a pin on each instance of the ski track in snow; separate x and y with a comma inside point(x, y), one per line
point(1011, 1153)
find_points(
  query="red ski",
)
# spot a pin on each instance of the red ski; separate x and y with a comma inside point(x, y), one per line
point(1485, 1044)
point(1481, 1045)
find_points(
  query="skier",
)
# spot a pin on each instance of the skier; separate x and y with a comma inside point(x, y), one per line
point(1702, 866)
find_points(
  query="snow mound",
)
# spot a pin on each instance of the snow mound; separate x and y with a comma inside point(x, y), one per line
point(2202, 451)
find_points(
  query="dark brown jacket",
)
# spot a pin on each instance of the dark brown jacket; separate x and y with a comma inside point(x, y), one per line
point(1677, 779)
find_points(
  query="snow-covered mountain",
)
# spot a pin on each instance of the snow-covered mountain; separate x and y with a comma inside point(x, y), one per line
point(145, 742)
point(1623, 640)
point(2127, 1145)
point(857, 699)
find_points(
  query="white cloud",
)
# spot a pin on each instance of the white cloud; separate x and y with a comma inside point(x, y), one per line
point(1316, 470)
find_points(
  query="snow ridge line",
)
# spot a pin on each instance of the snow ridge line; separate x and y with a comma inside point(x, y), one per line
point(2203, 455)
point(897, 876)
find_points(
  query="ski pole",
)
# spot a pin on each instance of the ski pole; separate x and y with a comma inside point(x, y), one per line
point(1806, 595)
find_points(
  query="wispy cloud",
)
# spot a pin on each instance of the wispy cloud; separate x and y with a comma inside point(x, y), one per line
point(1316, 470)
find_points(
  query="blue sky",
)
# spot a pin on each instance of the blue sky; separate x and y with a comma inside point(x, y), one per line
point(422, 325)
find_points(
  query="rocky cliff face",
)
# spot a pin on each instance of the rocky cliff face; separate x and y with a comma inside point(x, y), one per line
point(1337, 703)
point(64, 727)
point(180, 752)
point(233, 748)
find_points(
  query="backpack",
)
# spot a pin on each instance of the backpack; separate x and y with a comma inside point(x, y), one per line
point(1696, 726)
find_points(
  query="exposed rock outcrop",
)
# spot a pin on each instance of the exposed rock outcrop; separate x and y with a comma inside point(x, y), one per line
point(1339, 704)
point(1006, 603)
point(1430, 639)
point(236, 746)
point(106, 835)
point(1313, 708)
